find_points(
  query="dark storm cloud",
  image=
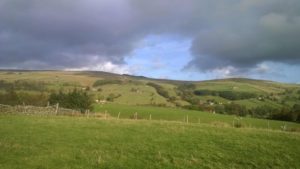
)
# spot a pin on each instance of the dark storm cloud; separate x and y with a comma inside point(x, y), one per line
point(268, 31)
point(64, 33)
point(68, 33)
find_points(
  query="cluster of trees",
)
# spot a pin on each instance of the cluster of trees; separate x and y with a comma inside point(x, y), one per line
point(266, 112)
point(77, 99)
point(111, 97)
point(288, 114)
point(23, 85)
point(234, 109)
point(106, 81)
point(284, 114)
point(12, 97)
point(160, 90)
point(185, 91)
point(230, 95)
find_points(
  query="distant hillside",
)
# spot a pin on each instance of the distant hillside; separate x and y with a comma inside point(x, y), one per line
point(235, 95)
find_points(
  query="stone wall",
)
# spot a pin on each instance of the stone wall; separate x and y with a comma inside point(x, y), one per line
point(24, 109)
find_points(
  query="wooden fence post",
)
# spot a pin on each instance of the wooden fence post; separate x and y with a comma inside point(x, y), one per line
point(24, 108)
point(56, 110)
point(187, 118)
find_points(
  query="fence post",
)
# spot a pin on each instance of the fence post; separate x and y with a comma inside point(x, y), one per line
point(24, 108)
point(150, 118)
point(56, 110)
point(187, 118)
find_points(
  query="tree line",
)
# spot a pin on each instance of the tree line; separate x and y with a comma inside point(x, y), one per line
point(230, 95)
point(265, 112)
point(76, 99)
point(23, 85)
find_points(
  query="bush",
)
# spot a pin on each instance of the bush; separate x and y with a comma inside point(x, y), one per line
point(237, 124)
point(78, 100)
point(236, 109)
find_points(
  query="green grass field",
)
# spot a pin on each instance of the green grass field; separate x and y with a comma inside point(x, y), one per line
point(32, 142)
point(181, 115)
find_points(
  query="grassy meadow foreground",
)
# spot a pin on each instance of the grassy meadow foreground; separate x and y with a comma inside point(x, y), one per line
point(30, 142)
point(124, 121)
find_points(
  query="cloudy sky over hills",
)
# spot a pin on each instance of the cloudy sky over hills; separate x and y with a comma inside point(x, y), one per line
point(176, 39)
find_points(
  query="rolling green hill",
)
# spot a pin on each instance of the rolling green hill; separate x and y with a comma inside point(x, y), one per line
point(255, 97)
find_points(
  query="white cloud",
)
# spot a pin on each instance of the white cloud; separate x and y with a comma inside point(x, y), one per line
point(105, 67)
point(225, 72)
point(262, 68)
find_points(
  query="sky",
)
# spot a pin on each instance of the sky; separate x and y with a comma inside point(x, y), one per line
point(170, 39)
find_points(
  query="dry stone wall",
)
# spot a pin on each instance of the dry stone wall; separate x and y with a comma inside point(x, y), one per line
point(24, 109)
